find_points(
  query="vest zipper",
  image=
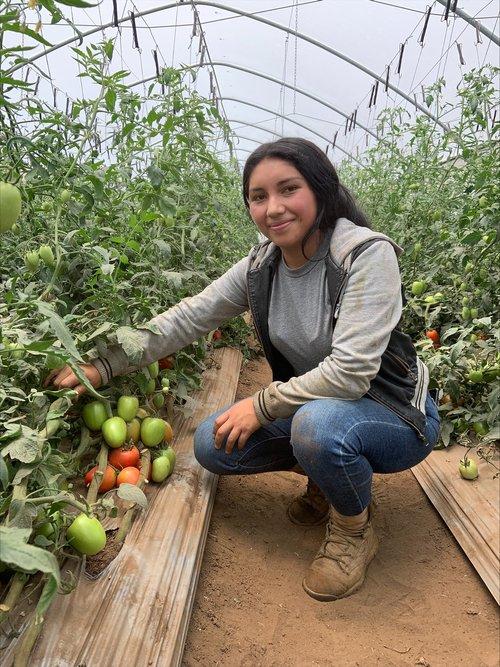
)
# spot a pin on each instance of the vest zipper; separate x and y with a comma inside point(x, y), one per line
point(402, 364)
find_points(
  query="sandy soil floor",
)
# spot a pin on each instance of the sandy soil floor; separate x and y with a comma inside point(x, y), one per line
point(422, 602)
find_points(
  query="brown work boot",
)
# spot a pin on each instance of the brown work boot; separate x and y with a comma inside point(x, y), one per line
point(341, 562)
point(309, 509)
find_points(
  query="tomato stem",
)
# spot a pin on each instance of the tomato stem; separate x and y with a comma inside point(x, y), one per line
point(128, 517)
point(102, 462)
point(17, 584)
point(60, 498)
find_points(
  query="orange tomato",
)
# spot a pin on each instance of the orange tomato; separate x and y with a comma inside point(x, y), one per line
point(128, 475)
point(108, 479)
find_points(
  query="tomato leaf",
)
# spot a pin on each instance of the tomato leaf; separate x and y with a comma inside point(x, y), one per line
point(60, 329)
point(133, 494)
point(15, 552)
point(132, 343)
point(4, 473)
point(25, 446)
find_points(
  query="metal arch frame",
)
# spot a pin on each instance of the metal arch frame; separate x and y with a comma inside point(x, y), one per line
point(267, 110)
point(269, 78)
point(473, 22)
point(260, 19)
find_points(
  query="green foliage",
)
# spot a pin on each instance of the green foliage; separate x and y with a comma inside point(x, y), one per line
point(436, 194)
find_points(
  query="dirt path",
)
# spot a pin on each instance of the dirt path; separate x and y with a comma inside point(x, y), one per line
point(421, 604)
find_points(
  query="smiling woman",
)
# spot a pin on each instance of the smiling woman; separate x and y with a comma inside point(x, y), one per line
point(348, 396)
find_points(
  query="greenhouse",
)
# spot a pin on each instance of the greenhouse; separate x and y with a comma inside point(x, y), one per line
point(249, 334)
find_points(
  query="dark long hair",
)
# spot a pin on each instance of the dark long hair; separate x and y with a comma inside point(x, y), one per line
point(333, 200)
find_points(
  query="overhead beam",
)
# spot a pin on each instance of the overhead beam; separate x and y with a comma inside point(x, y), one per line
point(291, 120)
point(269, 78)
point(474, 22)
point(260, 19)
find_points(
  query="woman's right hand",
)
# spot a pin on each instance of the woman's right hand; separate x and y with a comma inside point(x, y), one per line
point(65, 378)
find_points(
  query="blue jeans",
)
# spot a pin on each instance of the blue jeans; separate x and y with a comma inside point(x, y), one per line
point(339, 444)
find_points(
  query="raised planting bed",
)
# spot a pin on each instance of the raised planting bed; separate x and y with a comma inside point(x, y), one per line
point(470, 508)
point(136, 610)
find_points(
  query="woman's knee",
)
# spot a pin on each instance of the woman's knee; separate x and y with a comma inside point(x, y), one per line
point(204, 448)
point(319, 427)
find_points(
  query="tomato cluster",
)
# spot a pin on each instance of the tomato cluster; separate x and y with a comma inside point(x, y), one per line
point(122, 433)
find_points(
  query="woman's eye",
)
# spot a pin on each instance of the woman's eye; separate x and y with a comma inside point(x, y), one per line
point(290, 188)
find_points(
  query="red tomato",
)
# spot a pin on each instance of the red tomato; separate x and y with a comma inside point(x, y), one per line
point(217, 335)
point(433, 335)
point(108, 479)
point(128, 475)
point(124, 458)
point(167, 363)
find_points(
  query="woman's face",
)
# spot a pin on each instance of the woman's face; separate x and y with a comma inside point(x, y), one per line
point(283, 206)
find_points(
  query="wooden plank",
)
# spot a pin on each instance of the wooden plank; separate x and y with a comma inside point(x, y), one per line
point(471, 509)
point(137, 613)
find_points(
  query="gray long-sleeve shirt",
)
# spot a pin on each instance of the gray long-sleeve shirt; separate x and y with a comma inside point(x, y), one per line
point(339, 364)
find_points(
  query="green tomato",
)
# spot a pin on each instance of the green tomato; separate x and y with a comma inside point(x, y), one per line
point(86, 535)
point(150, 387)
point(46, 255)
point(46, 206)
point(127, 407)
point(152, 431)
point(463, 287)
point(161, 469)
point(65, 196)
point(418, 287)
point(165, 382)
point(158, 401)
point(465, 301)
point(466, 313)
point(114, 431)
point(10, 205)
point(475, 376)
point(438, 297)
point(481, 428)
point(430, 299)
point(468, 468)
point(170, 454)
point(473, 338)
point(94, 415)
point(483, 202)
point(474, 313)
point(417, 247)
point(154, 370)
point(32, 261)
point(469, 267)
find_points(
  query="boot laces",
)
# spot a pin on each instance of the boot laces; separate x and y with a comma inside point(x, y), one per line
point(339, 546)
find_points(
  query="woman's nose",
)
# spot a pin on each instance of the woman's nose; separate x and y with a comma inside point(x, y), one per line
point(275, 207)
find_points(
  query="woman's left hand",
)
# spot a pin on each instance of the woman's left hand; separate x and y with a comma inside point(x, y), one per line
point(236, 424)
